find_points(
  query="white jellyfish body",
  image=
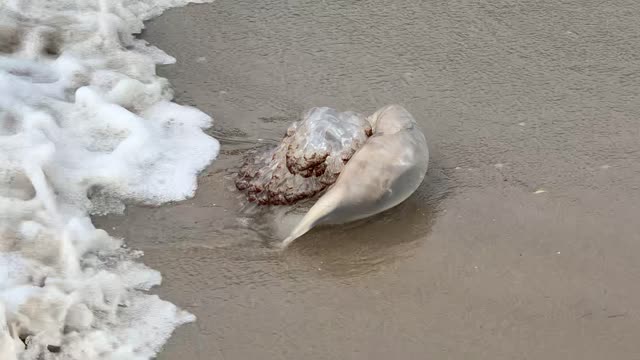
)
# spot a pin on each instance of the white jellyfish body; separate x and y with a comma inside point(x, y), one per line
point(384, 172)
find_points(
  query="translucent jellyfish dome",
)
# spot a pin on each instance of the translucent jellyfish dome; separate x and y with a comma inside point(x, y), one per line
point(308, 160)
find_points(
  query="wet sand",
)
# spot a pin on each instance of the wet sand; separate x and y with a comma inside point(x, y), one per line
point(522, 243)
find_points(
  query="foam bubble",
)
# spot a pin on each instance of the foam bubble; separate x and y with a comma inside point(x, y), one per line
point(85, 126)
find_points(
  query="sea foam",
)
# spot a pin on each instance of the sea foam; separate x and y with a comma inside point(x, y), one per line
point(86, 126)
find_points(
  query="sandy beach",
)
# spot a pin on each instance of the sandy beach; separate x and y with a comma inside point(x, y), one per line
point(523, 241)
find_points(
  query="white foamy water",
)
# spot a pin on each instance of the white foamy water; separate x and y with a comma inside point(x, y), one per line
point(85, 126)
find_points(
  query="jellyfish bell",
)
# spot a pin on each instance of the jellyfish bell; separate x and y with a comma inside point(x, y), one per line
point(361, 166)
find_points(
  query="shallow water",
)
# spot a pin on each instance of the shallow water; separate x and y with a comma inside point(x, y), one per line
point(521, 243)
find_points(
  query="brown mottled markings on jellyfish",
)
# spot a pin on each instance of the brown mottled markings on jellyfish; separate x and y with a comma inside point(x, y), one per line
point(277, 176)
point(309, 166)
